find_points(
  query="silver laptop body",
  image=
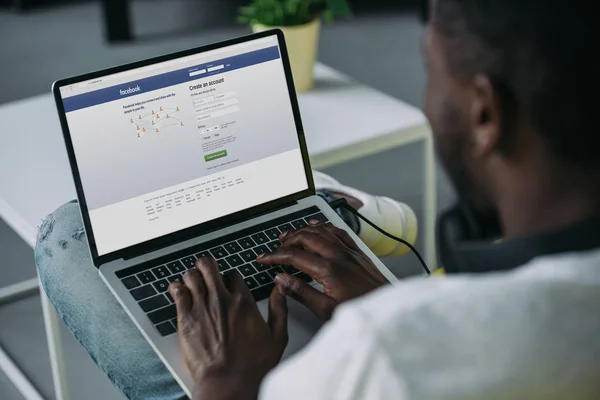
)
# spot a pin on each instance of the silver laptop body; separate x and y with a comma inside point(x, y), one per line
point(185, 154)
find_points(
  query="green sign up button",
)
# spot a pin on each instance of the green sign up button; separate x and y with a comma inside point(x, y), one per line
point(214, 156)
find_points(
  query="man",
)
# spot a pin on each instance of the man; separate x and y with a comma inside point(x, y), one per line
point(510, 99)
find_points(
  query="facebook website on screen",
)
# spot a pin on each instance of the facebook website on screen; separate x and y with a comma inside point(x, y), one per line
point(171, 145)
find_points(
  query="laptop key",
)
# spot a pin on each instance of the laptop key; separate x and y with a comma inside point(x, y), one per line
point(175, 278)
point(153, 303)
point(164, 314)
point(161, 272)
point(299, 224)
point(189, 262)
point(260, 267)
point(174, 322)
point(263, 278)
point(274, 271)
point(285, 228)
point(251, 283)
point(143, 292)
point(261, 249)
point(146, 277)
point(260, 238)
point(274, 245)
point(248, 255)
point(175, 267)
point(246, 242)
point(232, 272)
point(205, 254)
point(262, 292)
point(235, 260)
point(272, 233)
point(288, 269)
point(165, 328)
point(161, 286)
point(304, 277)
point(247, 270)
point(223, 265)
point(169, 297)
point(131, 282)
point(233, 247)
point(218, 252)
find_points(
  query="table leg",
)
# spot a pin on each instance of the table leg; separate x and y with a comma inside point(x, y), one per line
point(7, 365)
point(16, 376)
point(429, 203)
point(52, 323)
point(116, 20)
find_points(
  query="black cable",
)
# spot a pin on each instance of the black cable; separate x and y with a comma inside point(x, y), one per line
point(343, 203)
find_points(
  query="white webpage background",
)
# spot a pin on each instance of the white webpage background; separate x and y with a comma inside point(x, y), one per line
point(125, 224)
point(115, 165)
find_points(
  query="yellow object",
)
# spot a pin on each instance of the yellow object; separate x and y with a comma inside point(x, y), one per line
point(143, 129)
point(152, 112)
point(157, 116)
point(181, 124)
point(156, 129)
point(139, 117)
point(161, 109)
point(152, 122)
point(167, 115)
point(177, 108)
point(302, 42)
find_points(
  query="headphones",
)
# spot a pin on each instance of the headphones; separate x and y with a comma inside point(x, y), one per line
point(466, 240)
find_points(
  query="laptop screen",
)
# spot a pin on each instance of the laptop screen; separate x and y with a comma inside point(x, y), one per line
point(175, 144)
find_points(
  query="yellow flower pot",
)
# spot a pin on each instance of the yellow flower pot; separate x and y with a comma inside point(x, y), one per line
point(302, 42)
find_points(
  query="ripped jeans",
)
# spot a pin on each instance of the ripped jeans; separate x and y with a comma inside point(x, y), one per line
point(93, 315)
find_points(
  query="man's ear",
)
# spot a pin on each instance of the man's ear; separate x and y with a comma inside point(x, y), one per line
point(485, 116)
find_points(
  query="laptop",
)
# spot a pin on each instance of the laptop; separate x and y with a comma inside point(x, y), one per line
point(197, 153)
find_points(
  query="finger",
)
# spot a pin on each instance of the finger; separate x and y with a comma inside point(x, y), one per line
point(235, 284)
point(195, 284)
point(342, 235)
point(320, 304)
point(311, 242)
point(278, 314)
point(310, 263)
point(321, 230)
point(212, 278)
point(183, 299)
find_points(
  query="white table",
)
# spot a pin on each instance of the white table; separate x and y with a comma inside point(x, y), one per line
point(343, 120)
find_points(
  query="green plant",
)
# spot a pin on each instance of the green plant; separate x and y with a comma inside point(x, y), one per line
point(292, 12)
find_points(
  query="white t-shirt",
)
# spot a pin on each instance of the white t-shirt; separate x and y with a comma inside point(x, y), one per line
point(530, 333)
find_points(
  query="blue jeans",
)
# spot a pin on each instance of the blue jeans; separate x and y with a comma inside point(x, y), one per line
point(92, 314)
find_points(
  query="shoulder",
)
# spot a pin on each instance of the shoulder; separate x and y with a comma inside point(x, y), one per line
point(471, 334)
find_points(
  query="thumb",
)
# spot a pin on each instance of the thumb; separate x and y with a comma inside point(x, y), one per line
point(278, 313)
point(320, 304)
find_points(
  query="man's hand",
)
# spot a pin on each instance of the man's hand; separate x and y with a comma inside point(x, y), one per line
point(330, 256)
point(227, 345)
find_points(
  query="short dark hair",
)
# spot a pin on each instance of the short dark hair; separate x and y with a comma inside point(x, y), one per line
point(539, 54)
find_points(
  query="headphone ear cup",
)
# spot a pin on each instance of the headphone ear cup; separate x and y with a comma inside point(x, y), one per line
point(457, 224)
point(458, 228)
point(451, 229)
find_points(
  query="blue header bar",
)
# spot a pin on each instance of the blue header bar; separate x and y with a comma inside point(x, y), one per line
point(167, 79)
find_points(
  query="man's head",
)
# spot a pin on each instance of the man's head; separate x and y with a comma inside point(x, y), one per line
point(512, 88)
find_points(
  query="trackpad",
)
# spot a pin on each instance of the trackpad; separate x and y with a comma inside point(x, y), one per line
point(302, 324)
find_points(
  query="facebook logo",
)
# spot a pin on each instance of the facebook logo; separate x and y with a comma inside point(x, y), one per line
point(129, 90)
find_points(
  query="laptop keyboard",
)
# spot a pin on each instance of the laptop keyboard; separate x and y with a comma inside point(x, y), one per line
point(235, 253)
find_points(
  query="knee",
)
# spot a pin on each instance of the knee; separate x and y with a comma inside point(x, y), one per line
point(61, 232)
